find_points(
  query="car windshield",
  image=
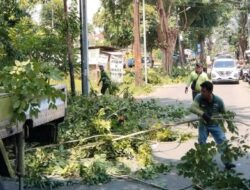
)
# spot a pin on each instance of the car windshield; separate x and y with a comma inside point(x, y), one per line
point(224, 64)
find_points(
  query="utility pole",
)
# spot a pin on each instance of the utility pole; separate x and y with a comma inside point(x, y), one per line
point(145, 42)
point(84, 47)
point(137, 46)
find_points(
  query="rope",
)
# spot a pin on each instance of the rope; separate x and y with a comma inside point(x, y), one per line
point(232, 120)
point(68, 142)
point(121, 137)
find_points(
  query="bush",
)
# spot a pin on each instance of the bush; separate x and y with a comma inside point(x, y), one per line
point(154, 77)
point(179, 72)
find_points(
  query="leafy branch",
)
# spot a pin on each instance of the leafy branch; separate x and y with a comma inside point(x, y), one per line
point(28, 83)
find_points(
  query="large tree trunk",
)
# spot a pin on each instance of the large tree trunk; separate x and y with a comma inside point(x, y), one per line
point(181, 50)
point(242, 46)
point(137, 45)
point(242, 35)
point(201, 41)
point(166, 36)
point(69, 51)
point(209, 45)
point(203, 53)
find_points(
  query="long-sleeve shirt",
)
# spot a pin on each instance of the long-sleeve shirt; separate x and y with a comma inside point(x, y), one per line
point(104, 78)
point(213, 108)
point(193, 76)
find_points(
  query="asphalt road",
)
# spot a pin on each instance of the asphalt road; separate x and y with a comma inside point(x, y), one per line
point(236, 98)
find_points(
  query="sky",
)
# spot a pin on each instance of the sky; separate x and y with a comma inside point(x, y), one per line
point(92, 8)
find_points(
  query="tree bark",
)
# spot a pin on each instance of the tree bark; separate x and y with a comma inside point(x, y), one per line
point(209, 45)
point(242, 35)
point(242, 46)
point(69, 50)
point(166, 36)
point(181, 51)
point(137, 46)
point(203, 53)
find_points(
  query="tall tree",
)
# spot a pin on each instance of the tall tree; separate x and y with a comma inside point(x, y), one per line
point(69, 49)
point(118, 24)
point(167, 35)
point(152, 21)
point(115, 17)
point(243, 29)
point(137, 45)
point(201, 18)
point(10, 16)
point(62, 24)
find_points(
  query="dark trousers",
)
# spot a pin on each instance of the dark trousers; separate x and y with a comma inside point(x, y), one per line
point(104, 88)
point(194, 93)
point(1, 186)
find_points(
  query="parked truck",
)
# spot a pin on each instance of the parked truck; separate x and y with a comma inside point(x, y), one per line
point(42, 128)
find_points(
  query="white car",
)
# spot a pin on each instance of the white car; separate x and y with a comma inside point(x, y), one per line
point(225, 70)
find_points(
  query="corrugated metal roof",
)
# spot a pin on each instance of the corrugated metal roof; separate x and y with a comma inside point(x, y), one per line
point(104, 48)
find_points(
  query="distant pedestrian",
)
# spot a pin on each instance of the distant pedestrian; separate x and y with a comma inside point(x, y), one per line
point(206, 105)
point(106, 82)
point(195, 79)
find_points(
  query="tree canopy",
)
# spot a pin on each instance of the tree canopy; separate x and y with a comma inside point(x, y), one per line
point(115, 17)
point(10, 16)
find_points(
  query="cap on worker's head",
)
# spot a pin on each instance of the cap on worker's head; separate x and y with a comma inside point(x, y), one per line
point(208, 85)
point(198, 65)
